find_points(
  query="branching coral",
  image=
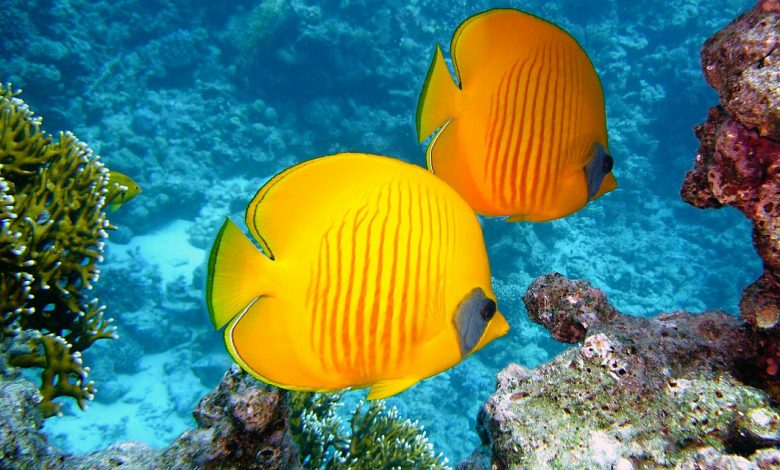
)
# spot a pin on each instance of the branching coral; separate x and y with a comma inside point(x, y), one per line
point(377, 438)
point(52, 231)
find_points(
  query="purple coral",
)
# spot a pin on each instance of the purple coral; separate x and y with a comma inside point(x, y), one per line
point(738, 163)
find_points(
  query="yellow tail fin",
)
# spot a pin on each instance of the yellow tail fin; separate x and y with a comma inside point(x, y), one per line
point(237, 274)
point(438, 98)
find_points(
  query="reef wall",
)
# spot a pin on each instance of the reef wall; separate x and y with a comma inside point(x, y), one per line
point(738, 163)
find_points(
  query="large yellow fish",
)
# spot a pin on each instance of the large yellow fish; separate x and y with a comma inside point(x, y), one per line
point(523, 132)
point(373, 273)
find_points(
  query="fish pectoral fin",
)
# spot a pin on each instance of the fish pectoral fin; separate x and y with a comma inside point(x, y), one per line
point(388, 388)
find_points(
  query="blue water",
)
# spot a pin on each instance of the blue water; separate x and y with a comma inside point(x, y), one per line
point(202, 101)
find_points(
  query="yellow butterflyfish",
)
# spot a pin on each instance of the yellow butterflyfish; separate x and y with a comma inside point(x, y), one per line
point(373, 273)
point(523, 132)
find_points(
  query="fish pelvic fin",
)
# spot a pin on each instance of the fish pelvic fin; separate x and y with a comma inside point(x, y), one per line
point(438, 98)
point(388, 388)
point(236, 273)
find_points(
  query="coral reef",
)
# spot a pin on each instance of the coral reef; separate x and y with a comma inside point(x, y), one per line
point(377, 438)
point(638, 392)
point(241, 424)
point(163, 97)
point(738, 163)
point(52, 237)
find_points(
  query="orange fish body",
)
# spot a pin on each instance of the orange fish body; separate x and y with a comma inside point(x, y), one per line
point(523, 133)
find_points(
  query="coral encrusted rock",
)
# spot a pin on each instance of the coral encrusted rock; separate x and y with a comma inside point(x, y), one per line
point(738, 163)
point(635, 393)
point(241, 424)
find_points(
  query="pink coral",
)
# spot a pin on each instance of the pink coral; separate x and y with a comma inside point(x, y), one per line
point(738, 163)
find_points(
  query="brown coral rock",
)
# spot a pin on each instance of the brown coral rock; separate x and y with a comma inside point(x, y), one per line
point(742, 62)
point(241, 424)
point(566, 308)
point(637, 393)
point(738, 163)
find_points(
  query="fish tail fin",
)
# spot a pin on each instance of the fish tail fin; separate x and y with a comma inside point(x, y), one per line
point(438, 97)
point(237, 269)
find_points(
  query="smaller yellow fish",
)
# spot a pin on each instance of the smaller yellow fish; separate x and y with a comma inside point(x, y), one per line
point(120, 181)
point(521, 132)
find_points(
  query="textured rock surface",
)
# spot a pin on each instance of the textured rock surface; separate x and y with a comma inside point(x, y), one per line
point(742, 62)
point(738, 163)
point(241, 424)
point(637, 392)
point(22, 445)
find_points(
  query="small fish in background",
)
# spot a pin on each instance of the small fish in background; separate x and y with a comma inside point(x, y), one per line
point(373, 273)
point(523, 132)
point(119, 179)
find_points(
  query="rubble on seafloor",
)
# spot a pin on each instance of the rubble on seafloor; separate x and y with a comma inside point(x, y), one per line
point(241, 424)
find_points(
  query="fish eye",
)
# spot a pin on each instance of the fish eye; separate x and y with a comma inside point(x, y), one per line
point(488, 309)
point(606, 163)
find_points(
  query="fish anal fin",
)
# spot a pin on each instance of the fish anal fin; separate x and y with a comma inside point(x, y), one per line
point(388, 388)
point(438, 98)
point(255, 340)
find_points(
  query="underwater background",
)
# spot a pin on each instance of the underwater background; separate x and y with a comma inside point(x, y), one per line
point(201, 102)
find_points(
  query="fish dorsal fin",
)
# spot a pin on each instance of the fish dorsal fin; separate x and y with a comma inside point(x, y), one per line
point(446, 162)
point(388, 388)
point(268, 199)
point(438, 98)
point(501, 36)
point(298, 206)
